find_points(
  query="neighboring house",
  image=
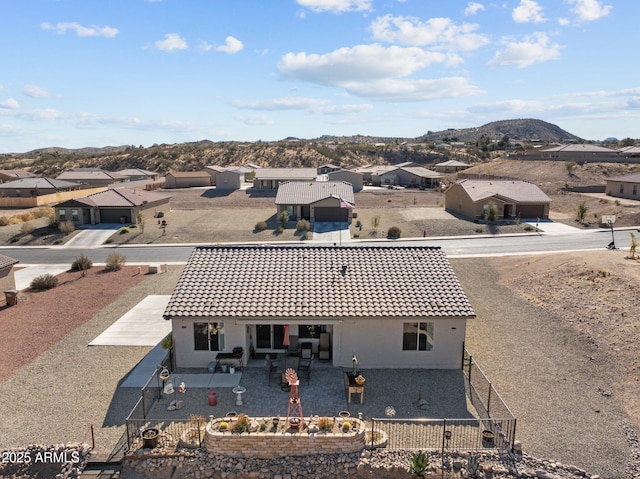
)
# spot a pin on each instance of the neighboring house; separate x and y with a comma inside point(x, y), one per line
point(117, 205)
point(230, 179)
point(630, 151)
point(137, 174)
point(369, 171)
point(31, 187)
point(513, 199)
point(451, 166)
point(270, 178)
point(408, 176)
point(356, 179)
point(213, 170)
point(7, 276)
point(92, 176)
point(581, 152)
point(626, 186)
point(397, 307)
point(327, 168)
point(187, 179)
point(316, 201)
point(10, 175)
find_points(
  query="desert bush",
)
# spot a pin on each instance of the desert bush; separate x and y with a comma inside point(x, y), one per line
point(27, 216)
point(115, 262)
point(42, 212)
point(81, 263)
point(44, 282)
point(124, 231)
point(4, 221)
point(27, 228)
point(283, 218)
point(66, 227)
point(302, 225)
point(492, 213)
point(279, 230)
point(325, 424)
point(581, 212)
point(241, 425)
point(260, 226)
point(394, 232)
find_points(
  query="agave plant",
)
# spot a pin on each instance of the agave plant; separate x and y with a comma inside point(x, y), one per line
point(473, 465)
point(418, 464)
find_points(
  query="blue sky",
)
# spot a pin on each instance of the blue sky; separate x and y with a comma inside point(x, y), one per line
point(77, 73)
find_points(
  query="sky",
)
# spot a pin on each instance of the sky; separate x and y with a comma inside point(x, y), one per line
point(94, 73)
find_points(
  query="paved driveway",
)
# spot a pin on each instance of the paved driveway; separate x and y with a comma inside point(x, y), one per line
point(336, 233)
point(92, 236)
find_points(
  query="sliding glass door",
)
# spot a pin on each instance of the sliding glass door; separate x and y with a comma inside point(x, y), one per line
point(269, 337)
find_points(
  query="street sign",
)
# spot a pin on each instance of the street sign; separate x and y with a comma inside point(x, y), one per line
point(608, 219)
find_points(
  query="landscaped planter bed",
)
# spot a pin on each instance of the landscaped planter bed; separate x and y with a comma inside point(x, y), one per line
point(270, 441)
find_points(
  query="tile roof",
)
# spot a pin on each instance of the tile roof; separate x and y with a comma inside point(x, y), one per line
point(580, 148)
point(256, 282)
point(305, 193)
point(88, 174)
point(189, 174)
point(286, 173)
point(520, 191)
point(421, 172)
point(6, 261)
point(136, 172)
point(18, 173)
point(453, 163)
point(122, 197)
point(44, 183)
point(631, 178)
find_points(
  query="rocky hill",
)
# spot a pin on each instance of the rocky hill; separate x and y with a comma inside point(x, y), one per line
point(521, 129)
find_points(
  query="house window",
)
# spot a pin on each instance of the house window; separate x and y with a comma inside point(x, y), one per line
point(62, 214)
point(621, 189)
point(208, 336)
point(308, 331)
point(74, 215)
point(635, 190)
point(417, 336)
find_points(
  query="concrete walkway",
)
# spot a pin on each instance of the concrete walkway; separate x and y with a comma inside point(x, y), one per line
point(337, 233)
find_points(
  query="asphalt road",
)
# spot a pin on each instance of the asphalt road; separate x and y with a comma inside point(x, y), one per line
point(453, 246)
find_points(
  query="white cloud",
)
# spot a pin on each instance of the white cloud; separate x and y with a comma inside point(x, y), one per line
point(528, 11)
point(414, 90)
point(563, 21)
point(9, 104)
point(35, 91)
point(256, 120)
point(439, 32)
point(313, 105)
point(81, 31)
point(589, 10)
point(361, 63)
point(532, 49)
point(602, 93)
point(171, 43)
point(232, 45)
point(336, 6)
point(473, 8)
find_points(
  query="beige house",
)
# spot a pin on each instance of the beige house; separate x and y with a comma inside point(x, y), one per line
point(270, 178)
point(11, 175)
point(118, 205)
point(451, 166)
point(31, 187)
point(397, 307)
point(230, 179)
point(316, 201)
point(187, 179)
point(356, 179)
point(626, 186)
point(513, 199)
point(407, 176)
point(92, 176)
point(580, 152)
point(138, 174)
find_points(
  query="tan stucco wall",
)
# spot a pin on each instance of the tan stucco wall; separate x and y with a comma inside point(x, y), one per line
point(613, 189)
point(7, 282)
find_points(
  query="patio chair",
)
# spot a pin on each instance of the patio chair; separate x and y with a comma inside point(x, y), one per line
point(294, 346)
point(272, 367)
point(304, 369)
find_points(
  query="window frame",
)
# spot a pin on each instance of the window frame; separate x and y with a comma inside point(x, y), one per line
point(214, 338)
point(417, 343)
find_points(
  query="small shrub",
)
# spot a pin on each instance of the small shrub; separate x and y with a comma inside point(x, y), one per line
point(115, 262)
point(66, 227)
point(27, 228)
point(224, 425)
point(4, 221)
point(241, 425)
point(167, 342)
point(528, 228)
point(279, 230)
point(260, 226)
point(283, 218)
point(108, 241)
point(473, 465)
point(124, 231)
point(302, 226)
point(394, 232)
point(44, 282)
point(346, 425)
point(28, 216)
point(356, 235)
point(82, 263)
point(325, 424)
point(42, 212)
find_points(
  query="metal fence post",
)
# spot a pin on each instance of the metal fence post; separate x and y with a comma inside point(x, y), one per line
point(444, 430)
point(489, 401)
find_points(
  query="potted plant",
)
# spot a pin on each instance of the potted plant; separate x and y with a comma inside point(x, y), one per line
point(294, 422)
point(150, 438)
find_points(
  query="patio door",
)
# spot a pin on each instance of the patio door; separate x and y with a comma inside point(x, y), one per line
point(269, 337)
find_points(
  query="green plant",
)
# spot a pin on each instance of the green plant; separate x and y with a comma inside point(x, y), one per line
point(44, 282)
point(241, 425)
point(633, 245)
point(82, 264)
point(66, 227)
point(325, 424)
point(491, 214)
point(167, 341)
point(419, 394)
point(473, 465)
point(375, 222)
point(418, 464)
point(581, 212)
point(394, 232)
point(528, 228)
point(279, 230)
point(260, 226)
point(302, 225)
point(115, 262)
point(124, 231)
point(27, 228)
point(283, 218)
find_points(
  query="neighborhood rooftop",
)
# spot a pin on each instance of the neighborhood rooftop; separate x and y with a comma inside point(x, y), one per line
point(521, 191)
point(302, 192)
point(318, 282)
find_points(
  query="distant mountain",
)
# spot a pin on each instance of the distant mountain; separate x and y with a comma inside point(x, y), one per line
point(521, 129)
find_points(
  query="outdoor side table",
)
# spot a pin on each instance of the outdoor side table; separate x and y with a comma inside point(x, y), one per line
point(352, 387)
